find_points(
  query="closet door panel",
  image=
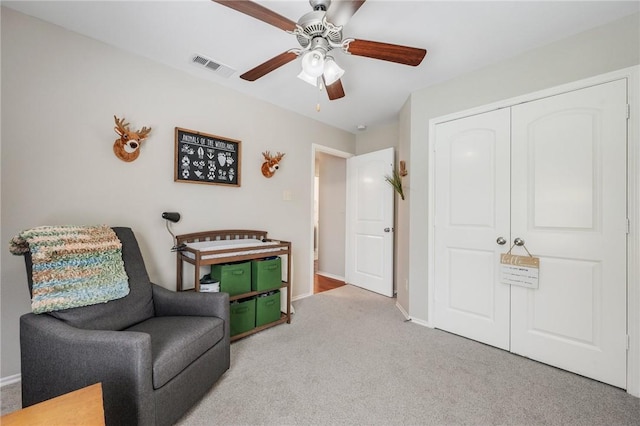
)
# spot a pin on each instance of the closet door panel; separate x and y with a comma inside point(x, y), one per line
point(569, 206)
point(472, 211)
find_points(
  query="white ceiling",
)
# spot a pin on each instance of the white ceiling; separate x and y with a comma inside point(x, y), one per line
point(459, 37)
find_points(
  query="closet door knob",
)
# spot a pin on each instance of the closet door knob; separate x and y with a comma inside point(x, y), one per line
point(518, 242)
point(501, 241)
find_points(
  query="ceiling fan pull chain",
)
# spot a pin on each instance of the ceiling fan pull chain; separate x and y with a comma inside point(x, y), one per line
point(318, 94)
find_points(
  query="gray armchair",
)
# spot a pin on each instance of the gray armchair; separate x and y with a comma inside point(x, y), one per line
point(156, 352)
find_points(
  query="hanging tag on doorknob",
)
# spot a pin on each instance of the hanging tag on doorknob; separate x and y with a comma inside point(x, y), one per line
point(517, 270)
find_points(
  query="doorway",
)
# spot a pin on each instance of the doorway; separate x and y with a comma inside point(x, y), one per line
point(329, 219)
point(353, 234)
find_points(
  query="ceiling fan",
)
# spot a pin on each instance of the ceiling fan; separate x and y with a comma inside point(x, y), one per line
point(318, 32)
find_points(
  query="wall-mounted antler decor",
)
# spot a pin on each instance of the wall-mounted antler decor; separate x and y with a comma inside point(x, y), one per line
point(271, 163)
point(127, 146)
point(403, 169)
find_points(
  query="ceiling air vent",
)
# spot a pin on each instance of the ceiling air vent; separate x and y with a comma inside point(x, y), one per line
point(218, 68)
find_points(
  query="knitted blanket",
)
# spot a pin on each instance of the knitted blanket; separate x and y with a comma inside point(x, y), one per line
point(73, 266)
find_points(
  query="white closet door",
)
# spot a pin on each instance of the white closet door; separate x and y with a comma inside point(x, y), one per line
point(569, 205)
point(472, 212)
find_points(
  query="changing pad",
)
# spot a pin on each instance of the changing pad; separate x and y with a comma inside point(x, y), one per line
point(251, 245)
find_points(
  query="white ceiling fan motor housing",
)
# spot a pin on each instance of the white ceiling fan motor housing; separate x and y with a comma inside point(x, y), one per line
point(314, 25)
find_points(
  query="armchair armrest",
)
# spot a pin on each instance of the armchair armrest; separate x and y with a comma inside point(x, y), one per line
point(167, 302)
point(57, 358)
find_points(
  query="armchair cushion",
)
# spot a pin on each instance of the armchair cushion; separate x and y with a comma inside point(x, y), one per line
point(178, 341)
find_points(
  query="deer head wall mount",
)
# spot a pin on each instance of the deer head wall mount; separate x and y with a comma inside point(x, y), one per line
point(271, 163)
point(127, 146)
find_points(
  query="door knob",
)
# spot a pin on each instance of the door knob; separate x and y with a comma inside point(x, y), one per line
point(518, 242)
point(501, 241)
point(387, 229)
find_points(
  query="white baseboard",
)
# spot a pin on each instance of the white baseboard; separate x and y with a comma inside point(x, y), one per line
point(422, 322)
point(301, 296)
point(401, 309)
point(10, 380)
point(414, 320)
point(328, 275)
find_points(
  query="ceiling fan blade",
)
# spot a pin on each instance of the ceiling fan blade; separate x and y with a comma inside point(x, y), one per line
point(259, 12)
point(334, 90)
point(340, 12)
point(268, 66)
point(386, 52)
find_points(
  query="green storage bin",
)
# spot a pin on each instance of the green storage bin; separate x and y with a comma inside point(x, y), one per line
point(266, 274)
point(235, 278)
point(267, 308)
point(242, 316)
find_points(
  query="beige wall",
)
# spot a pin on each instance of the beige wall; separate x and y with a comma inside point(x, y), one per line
point(376, 138)
point(60, 91)
point(600, 50)
point(402, 266)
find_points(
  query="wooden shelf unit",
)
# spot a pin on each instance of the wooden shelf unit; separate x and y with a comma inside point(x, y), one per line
point(201, 258)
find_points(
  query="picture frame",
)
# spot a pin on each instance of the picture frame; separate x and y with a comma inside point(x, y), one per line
point(207, 159)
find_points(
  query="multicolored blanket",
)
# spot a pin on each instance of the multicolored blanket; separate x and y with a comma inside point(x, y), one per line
point(73, 266)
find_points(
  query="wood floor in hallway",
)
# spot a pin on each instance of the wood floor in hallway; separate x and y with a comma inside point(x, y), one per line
point(322, 283)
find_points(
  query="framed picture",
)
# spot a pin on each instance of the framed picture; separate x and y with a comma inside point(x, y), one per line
point(207, 159)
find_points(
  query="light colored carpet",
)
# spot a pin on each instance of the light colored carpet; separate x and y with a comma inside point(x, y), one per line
point(349, 358)
point(11, 398)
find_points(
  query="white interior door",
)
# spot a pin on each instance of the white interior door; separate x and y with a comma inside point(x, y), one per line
point(369, 243)
point(569, 206)
point(472, 212)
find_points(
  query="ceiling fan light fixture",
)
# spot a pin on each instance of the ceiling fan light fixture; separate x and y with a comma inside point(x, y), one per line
point(308, 78)
point(332, 71)
point(313, 63)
